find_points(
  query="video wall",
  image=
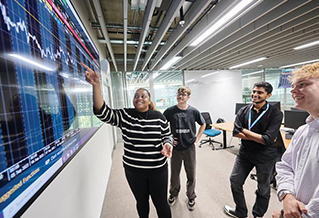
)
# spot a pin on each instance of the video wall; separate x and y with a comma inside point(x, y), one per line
point(45, 102)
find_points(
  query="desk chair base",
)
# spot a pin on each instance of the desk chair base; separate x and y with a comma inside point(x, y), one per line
point(210, 142)
point(230, 146)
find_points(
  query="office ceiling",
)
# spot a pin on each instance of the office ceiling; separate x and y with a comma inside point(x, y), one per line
point(268, 28)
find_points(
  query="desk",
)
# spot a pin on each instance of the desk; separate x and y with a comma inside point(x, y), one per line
point(285, 141)
point(228, 126)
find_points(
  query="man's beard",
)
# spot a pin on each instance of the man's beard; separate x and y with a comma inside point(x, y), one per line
point(259, 102)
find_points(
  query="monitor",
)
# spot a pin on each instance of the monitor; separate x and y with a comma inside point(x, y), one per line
point(295, 118)
point(239, 105)
point(46, 104)
point(276, 104)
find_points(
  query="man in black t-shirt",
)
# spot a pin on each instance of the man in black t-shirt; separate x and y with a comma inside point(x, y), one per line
point(257, 125)
point(183, 119)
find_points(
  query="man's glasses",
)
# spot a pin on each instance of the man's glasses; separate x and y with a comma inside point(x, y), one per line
point(182, 94)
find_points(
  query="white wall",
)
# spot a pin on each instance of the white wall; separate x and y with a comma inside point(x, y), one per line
point(79, 190)
point(217, 93)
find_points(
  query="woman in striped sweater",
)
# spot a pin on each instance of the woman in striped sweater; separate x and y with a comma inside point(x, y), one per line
point(147, 144)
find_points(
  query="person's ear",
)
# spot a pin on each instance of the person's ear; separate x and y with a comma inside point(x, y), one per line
point(269, 95)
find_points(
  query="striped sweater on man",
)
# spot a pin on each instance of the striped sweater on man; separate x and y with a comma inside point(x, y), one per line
point(144, 135)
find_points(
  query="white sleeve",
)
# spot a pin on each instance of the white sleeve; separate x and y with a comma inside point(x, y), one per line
point(285, 171)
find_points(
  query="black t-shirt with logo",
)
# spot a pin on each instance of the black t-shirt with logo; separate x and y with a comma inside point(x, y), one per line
point(183, 125)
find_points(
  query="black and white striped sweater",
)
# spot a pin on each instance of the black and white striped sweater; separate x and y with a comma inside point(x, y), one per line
point(143, 134)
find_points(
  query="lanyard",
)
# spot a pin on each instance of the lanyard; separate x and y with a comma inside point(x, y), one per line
point(258, 118)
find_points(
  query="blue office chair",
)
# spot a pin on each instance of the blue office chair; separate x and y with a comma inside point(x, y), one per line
point(209, 132)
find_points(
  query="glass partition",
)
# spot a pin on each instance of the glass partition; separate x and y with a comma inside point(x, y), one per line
point(271, 75)
point(249, 78)
point(163, 86)
point(166, 84)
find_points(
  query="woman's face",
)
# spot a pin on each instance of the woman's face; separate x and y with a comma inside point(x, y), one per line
point(141, 100)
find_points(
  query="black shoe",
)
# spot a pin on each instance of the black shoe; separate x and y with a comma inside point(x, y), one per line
point(191, 205)
point(231, 212)
point(171, 200)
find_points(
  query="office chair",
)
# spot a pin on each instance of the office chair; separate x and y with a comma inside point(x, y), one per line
point(209, 132)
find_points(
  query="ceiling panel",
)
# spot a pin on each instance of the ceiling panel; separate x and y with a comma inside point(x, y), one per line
point(270, 28)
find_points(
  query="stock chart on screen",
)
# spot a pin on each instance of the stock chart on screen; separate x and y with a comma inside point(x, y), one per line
point(45, 102)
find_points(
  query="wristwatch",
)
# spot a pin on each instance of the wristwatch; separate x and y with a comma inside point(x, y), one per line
point(282, 194)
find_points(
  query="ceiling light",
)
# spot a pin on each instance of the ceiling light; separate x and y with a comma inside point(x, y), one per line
point(191, 80)
point(170, 62)
point(249, 62)
point(252, 73)
point(129, 42)
point(155, 75)
point(209, 74)
point(307, 45)
point(298, 64)
point(33, 62)
point(222, 21)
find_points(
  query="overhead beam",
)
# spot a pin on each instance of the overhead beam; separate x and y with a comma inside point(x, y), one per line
point(166, 23)
point(125, 32)
point(195, 11)
point(252, 21)
point(100, 16)
point(208, 20)
point(263, 38)
point(231, 38)
point(146, 24)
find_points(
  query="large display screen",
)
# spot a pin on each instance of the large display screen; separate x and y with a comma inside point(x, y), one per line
point(45, 102)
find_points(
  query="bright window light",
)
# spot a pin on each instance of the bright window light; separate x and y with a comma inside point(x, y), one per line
point(209, 74)
point(222, 21)
point(170, 62)
point(159, 86)
point(31, 62)
point(307, 45)
point(249, 62)
point(298, 64)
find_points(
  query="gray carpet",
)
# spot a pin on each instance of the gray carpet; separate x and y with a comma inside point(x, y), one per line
point(212, 188)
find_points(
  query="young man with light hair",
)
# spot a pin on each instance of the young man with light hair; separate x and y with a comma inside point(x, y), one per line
point(297, 173)
point(183, 119)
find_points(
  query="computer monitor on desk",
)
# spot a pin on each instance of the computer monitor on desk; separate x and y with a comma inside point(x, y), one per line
point(276, 104)
point(239, 105)
point(295, 118)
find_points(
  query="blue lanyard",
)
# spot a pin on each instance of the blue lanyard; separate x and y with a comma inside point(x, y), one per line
point(258, 118)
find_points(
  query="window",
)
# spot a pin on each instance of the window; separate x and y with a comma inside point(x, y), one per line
point(271, 75)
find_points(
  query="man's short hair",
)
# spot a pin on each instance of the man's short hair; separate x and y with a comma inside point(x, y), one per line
point(266, 85)
point(307, 71)
point(184, 89)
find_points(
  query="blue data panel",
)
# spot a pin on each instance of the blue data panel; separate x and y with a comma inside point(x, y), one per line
point(45, 102)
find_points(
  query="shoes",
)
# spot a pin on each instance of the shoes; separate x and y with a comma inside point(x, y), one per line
point(171, 200)
point(231, 212)
point(191, 205)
